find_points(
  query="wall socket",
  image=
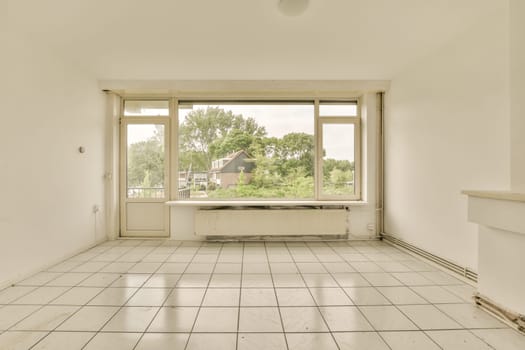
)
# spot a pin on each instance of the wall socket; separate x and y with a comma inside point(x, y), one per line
point(371, 227)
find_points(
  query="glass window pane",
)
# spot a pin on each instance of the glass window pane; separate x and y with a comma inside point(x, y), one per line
point(260, 150)
point(338, 160)
point(337, 109)
point(145, 161)
point(146, 108)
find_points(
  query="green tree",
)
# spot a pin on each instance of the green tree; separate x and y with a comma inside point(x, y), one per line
point(146, 162)
point(213, 133)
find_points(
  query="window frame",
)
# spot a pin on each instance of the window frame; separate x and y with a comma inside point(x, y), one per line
point(331, 120)
point(172, 134)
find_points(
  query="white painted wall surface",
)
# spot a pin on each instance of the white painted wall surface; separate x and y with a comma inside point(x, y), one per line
point(517, 106)
point(48, 187)
point(447, 129)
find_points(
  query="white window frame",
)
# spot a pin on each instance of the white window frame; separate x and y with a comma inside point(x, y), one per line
point(356, 122)
point(172, 136)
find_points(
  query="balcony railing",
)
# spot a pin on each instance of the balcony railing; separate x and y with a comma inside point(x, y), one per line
point(146, 192)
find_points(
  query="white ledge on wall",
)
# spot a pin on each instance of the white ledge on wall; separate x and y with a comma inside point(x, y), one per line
point(252, 203)
point(501, 195)
point(500, 216)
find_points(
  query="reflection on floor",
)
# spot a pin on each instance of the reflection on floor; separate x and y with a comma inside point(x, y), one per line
point(147, 294)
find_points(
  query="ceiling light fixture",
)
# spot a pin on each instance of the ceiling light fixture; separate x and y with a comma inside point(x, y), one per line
point(293, 7)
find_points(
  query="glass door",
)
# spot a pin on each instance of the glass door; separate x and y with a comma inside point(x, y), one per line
point(144, 177)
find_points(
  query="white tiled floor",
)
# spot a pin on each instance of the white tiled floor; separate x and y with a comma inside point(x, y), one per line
point(149, 294)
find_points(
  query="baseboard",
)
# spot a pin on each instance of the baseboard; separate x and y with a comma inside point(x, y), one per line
point(513, 319)
point(463, 271)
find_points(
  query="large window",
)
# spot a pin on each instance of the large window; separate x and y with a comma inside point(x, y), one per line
point(268, 150)
point(257, 150)
point(252, 150)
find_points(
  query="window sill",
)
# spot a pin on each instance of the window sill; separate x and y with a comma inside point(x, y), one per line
point(262, 203)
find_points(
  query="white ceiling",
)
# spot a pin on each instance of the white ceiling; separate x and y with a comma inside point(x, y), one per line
point(244, 39)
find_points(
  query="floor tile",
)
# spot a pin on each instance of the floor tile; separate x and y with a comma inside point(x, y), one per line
point(193, 280)
point(228, 268)
point(415, 340)
point(258, 297)
point(401, 295)
point(366, 296)
point(351, 280)
point(199, 268)
point(319, 280)
point(360, 341)
point(412, 279)
point(294, 297)
point(131, 319)
point(113, 341)
point(385, 318)
point(258, 280)
point(19, 340)
point(338, 267)
point(45, 319)
point(260, 319)
point(144, 267)
point(311, 341)
point(162, 280)
point(381, 279)
point(77, 296)
point(465, 291)
point(311, 268)
point(330, 296)
point(215, 341)
point(502, 339)
point(168, 267)
point(117, 267)
point(470, 316)
point(429, 317)
point(256, 268)
point(99, 280)
point(89, 318)
point(89, 267)
point(113, 296)
point(217, 320)
point(174, 319)
point(345, 318)
point(366, 266)
point(225, 280)
point(10, 294)
point(458, 339)
point(283, 267)
point(302, 319)
point(185, 297)
point(39, 279)
point(437, 295)
point(41, 295)
point(11, 314)
point(221, 297)
point(286, 280)
point(149, 297)
point(131, 280)
point(165, 341)
point(64, 340)
point(441, 278)
point(258, 341)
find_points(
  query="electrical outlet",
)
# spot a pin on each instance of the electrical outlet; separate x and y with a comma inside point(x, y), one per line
point(96, 209)
point(371, 227)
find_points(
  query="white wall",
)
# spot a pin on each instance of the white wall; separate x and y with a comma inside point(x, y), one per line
point(517, 107)
point(447, 129)
point(48, 188)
